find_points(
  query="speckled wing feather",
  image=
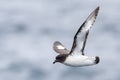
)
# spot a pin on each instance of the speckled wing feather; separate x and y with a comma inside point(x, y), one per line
point(59, 48)
point(80, 37)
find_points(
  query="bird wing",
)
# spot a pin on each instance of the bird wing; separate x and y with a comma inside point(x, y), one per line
point(80, 37)
point(59, 48)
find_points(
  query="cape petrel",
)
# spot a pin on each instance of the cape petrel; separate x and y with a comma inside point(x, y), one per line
point(76, 57)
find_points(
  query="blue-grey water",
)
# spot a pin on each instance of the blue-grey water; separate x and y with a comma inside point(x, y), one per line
point(28, 29)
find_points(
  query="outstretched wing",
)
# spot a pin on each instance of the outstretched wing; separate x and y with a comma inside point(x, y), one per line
point(59, 48)
point(80, 37)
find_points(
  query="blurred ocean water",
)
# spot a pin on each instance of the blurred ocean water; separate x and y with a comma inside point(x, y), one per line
point(28, 29)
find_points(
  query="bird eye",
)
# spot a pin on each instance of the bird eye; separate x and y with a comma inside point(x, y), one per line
point(58, 57)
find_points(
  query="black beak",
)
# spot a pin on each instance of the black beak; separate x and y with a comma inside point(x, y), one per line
point(55, 61)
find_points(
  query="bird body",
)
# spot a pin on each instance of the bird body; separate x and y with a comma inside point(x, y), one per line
point(76, 57)
point(79, 60)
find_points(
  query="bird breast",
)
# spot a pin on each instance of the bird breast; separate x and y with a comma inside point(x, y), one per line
point(80, 60)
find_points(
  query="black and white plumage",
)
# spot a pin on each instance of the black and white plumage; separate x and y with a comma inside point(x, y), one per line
point(76, 57)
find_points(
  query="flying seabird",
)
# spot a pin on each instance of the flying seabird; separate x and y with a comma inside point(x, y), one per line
point(76, 57)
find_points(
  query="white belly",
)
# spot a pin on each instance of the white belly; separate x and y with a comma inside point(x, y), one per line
point(79, 60)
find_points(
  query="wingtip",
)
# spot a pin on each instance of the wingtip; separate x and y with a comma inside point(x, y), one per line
point(97, 9)
point(56, 43)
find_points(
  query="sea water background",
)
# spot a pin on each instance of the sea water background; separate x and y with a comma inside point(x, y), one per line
point(28, 29)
